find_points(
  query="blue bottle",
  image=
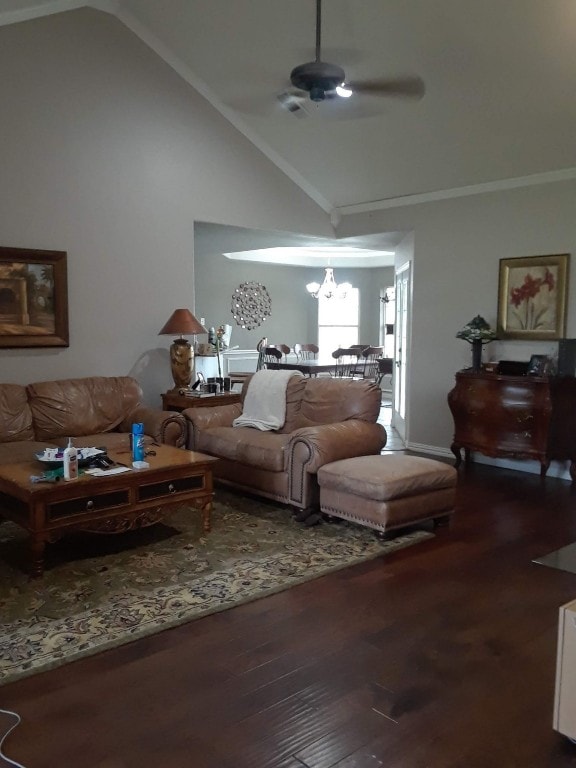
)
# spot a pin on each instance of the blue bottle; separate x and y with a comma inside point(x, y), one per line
point(138, 442)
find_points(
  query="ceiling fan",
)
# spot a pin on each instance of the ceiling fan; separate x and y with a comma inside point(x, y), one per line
point(321, 81)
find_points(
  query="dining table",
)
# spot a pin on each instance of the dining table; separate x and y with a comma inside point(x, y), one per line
point(308, 367)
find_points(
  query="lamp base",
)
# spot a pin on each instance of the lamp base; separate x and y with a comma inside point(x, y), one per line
point(182, 363)
point(477, 355)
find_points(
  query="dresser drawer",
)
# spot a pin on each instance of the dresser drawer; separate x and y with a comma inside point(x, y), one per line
point(171, 487)
point(94, 503)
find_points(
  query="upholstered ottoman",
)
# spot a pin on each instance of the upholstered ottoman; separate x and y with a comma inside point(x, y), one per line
point(387, 491)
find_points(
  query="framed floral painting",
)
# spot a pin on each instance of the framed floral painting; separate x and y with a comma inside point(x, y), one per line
point(532, 297)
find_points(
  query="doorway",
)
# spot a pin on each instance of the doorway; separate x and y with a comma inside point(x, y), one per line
point(401, 347)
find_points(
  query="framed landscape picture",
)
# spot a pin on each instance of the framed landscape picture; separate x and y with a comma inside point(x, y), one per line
point(33, 298)
point(532, 297)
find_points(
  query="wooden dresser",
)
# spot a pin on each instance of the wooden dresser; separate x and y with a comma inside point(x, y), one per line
point(520, 417)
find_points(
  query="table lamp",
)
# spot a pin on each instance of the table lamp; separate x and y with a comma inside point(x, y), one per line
point(182, 322)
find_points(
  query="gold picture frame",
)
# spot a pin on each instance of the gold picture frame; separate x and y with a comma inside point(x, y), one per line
point(33, 298)
point(532, 297)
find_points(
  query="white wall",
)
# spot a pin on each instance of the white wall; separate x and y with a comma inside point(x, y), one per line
point(109, 155)
point(457, 247)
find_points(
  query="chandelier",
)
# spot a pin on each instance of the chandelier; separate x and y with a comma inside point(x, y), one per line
point(329, 289)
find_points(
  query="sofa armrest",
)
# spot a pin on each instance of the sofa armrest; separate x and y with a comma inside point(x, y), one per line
point(312, 447)
point(199, 419)
point(167, 427)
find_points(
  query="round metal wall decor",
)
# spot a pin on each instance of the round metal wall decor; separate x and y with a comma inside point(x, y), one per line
point(251, 305)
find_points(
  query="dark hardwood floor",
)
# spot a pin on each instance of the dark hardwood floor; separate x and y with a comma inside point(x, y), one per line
point(442, 655)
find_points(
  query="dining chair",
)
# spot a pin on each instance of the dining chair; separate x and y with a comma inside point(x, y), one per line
point(306, 351)
point(348, 366)
point(260, 348)
point(271, 355)
point(385, 368)
point(371, 356)
point(357, 371)
point(283, 348)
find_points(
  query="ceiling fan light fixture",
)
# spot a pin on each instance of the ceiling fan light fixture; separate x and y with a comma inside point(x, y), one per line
point(344, 90)
point(317, 93)
point(323, 81)
point(317, 77)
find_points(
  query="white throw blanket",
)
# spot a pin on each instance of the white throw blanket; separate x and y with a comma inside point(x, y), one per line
point(265, 401)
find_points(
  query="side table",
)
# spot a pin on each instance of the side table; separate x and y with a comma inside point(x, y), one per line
point(172, 401)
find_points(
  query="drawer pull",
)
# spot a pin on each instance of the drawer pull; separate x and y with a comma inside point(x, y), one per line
point(171, 488)
point(89, 505)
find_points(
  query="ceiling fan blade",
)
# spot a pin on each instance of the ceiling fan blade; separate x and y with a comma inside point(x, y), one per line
point(333, 107)
point(411, 87)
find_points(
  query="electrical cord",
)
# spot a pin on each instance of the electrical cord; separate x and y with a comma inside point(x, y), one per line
point(8, 732)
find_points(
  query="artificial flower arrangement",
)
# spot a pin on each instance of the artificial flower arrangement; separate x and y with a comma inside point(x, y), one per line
point(220, 342)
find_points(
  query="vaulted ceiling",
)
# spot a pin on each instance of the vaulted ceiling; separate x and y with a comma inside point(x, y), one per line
point(499, 75)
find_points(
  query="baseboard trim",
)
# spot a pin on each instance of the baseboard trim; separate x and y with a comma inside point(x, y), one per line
point(559, 469)
point(433, 450)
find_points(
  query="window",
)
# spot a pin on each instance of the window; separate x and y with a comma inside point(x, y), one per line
point(338, 321)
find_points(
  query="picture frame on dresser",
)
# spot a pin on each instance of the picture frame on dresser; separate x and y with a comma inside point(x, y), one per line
point(538, 365)
point(532, 297)
point(33, 298)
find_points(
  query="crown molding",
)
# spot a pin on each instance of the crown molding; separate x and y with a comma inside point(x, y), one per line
point(548, 177)
point(114, 7)
point(36, 11)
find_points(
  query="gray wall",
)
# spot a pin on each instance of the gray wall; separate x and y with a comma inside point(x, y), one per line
point(294, 315)
point(457, 248)
point(108, 154)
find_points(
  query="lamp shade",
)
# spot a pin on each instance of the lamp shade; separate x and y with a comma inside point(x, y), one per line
point(182, 323)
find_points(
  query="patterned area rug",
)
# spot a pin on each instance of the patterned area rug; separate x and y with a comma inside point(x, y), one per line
point(101, 591)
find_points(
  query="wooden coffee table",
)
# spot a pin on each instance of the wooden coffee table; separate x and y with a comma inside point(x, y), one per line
point(105, 504)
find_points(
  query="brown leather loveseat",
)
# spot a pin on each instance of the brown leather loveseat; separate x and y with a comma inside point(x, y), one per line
point(96, 411)
point(326, 419)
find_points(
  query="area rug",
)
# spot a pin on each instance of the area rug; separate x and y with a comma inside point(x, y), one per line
point(98, 592)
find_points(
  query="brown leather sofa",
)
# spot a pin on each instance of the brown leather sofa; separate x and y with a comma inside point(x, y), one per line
point(96, 411)
point(326, 419)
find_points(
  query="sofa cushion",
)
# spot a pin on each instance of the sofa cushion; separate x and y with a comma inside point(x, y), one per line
point(15, 414)
point(76, 407)
point(294, 391)
point(294, 394)
point(266, 450)
point(330, 400)
point(387, 477)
